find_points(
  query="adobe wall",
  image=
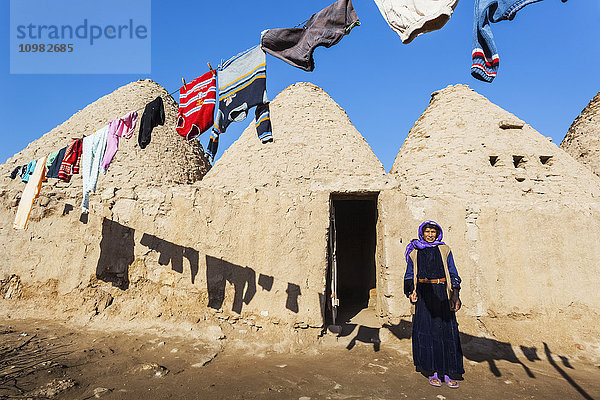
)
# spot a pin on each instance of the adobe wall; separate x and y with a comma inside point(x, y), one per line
point(248, 241)
point(261, 253)
point(187, 252)
point(526, 271)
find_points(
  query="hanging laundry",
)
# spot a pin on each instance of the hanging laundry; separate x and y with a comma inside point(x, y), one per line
point(411, 18)
point(50, 159)
point(30, 193)
point(23, 171)
point(154, 114)
point(28, 171)
point(485, 56)
point(213, 146)
point(243, 85)
point(94, 147)
point(70, 163)
point(197, 102)
point(295, 46)
point(53, 169)
point(14, 172)
point(262, 124)
point(18, 171)
point(120, 127)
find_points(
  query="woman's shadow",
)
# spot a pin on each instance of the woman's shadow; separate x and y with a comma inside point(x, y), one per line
point(478, 349)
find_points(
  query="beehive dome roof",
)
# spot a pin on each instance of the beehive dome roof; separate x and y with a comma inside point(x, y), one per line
point(582, 141)
point(315, 144)
point(467, 147)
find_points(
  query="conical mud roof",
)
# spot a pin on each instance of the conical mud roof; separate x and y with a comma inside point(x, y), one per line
point(467, 147)
point(315, 146)
point(167, 159)
point(582, 141)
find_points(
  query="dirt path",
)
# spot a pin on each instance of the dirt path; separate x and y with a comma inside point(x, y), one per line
point(41, 360)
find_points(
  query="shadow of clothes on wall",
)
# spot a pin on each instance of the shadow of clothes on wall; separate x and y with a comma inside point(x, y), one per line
point(402, 330)
point(172, 253)
point(68, 208)
point(116, 253)
point(364, 334)
point(218, 273)
point(530, 353)
point(293, 292)
point(265, 282)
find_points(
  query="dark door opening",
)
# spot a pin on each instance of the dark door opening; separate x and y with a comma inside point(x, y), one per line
point(352, 255)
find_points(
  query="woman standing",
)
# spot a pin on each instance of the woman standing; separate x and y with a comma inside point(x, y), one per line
point(432, 284)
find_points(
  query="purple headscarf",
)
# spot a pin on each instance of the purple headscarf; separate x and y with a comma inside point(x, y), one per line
point(421, 243)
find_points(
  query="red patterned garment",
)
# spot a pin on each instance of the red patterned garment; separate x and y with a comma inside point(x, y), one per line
point(197, 106)
point(71, 161)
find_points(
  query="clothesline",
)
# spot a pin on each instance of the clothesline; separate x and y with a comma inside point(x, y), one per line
point(341, 14)
point(170, 94)
point(13, 174)
point(242, 85)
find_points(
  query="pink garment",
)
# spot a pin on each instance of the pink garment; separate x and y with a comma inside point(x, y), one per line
point(120, 127)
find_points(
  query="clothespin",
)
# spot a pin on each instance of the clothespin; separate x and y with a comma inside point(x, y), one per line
point(211, 69)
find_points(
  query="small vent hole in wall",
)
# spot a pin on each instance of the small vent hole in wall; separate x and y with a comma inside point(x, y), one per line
point(546, 160)
point(520, 179)
point(493, 160)
point(519, 161)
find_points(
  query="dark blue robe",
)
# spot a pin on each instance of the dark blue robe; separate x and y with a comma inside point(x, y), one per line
point(435, 340)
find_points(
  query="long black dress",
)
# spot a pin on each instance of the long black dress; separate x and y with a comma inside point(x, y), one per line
point(435, 340)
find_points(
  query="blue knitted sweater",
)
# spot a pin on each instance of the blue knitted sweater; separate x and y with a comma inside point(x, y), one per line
point(485, 56)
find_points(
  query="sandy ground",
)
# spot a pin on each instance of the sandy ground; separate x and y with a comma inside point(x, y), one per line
point(53, 360)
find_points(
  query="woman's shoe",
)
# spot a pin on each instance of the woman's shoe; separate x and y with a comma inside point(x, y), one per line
point(451, 382)
point(434, 380)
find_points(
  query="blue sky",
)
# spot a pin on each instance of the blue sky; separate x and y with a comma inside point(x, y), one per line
point(548, 55)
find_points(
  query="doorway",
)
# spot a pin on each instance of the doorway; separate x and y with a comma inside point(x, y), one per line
point(351, 279)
